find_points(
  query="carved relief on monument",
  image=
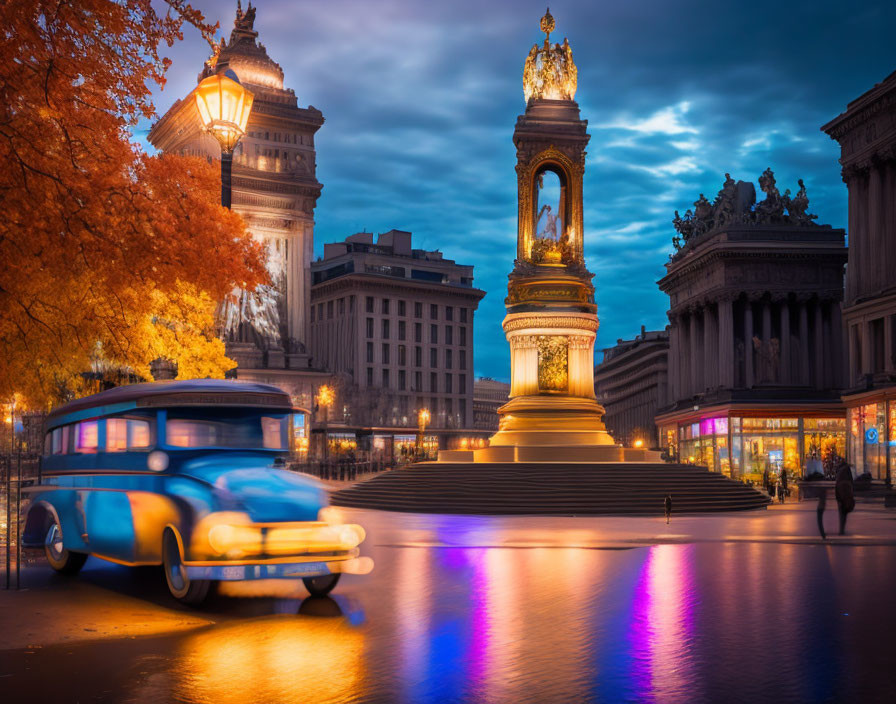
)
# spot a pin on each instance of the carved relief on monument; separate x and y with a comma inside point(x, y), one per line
point(553, 364)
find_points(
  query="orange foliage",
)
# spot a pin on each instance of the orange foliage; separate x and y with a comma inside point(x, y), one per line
point(98, 239)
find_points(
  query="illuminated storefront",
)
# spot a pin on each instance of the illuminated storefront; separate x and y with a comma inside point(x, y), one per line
point(742, 445)
point(872, 436)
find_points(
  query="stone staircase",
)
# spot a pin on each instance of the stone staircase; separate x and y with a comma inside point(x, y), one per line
point(636, 489)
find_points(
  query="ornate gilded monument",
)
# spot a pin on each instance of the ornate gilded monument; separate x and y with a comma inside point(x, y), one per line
point(551, 318)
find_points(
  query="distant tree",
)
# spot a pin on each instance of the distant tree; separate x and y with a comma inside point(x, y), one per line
point(106, 253)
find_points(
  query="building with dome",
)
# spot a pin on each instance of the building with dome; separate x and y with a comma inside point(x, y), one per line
point(275, 190)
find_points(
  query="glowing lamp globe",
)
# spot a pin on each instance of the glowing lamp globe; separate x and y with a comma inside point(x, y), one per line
point(224, 106)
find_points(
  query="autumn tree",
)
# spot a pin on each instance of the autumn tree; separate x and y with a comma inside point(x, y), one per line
point(106, 253)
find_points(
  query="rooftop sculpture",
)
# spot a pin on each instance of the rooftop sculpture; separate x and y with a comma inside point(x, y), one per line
point(736, 204)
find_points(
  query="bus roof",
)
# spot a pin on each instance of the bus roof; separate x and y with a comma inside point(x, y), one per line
point(160, 394)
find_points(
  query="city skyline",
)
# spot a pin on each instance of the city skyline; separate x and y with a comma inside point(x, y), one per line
point(418, 124)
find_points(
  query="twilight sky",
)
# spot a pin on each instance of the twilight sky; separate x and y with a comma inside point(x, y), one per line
point(420, 100)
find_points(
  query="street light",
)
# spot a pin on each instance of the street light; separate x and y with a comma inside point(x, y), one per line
point(422, 419)
point(224, 107)
point(325, 398)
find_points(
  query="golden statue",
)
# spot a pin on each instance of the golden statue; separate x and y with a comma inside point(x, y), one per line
point(549, 71)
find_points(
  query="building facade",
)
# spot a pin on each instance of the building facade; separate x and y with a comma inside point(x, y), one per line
point(631, 383)
point(488, 396)
point(867, 136)
point(395, 324)
point(755, 335)
point(275, 190)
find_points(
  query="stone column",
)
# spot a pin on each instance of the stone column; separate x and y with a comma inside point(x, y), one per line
point(674, 375)
point(710, 358)
point(684, 363)
point(819, 345)
point(839, 363)
point(695, 355)
point(866, 339)
point(726, 343)
point(784, 374)
point(889, 362)
point(748, 344)
point(804, 345)
point(875, 230)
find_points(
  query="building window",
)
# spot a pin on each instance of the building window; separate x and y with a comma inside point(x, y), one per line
point(320, 311)
point(418, 310)
point(402, 355)
point(463, 315)
point(401, 329)
point(385, 353)
point(369, 376)
point(463, 359)
point(385, 329)
point(370, 352)
point(434, 334)
point(418, 356)
point(448, 384)
point(340, 306)
point(418, 381)
point(370, 304)
point(401, 308)
point(448, 359)
point(351, 304)
point(312, 314)
point(385, 378)
point(462, 382)
point(401, 380)
point(418, 332)
point(385, 306)
point(449, 312)
point(370, 327)
point(329, 310)
point(449, 335)
point(433, 357)
point(433, 382)
point(433, 311)
point(462, 331)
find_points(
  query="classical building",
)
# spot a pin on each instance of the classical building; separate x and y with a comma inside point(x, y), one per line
point(395, 324)
point(275, 191)
point(488, 396)
point(755, 341)
point(632, 385)
point(867, 136)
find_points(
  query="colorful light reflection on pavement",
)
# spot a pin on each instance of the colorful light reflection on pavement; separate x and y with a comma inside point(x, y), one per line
point(509, 610)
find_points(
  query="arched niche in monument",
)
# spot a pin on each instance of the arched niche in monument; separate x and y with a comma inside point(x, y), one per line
point(550, 216)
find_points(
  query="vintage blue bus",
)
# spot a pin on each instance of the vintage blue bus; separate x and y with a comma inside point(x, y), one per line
point(185, 474)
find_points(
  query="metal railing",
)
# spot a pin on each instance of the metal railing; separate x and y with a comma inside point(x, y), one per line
point(19, 469)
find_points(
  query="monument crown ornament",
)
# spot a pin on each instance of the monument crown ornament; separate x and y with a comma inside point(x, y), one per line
point(549, 71)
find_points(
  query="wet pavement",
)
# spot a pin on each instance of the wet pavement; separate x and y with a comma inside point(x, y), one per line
point(734, 607)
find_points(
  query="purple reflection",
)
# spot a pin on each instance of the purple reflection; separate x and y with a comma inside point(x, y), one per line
point(662, 626)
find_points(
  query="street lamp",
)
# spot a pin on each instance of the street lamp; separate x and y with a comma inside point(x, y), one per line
point(224, 107)
point(325, 398)
point(422, 419)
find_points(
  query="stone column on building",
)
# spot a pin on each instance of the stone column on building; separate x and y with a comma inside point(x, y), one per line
point(889, 325)
point(819, 345)
point(748, 344)
point(684, 368)
point(876, 228)
point(866, 339)
point(804, 344)
point(710, 358)
point(726, 343)
point(784, 374)
point(840, 351)
point(696, 387)
point(765, 374)
point(674, 352)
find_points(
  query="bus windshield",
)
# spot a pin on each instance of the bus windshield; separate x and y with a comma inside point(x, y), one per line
point(227, 428)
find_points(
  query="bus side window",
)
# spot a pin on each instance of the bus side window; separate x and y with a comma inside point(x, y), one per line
point(126, 434)
point(87, 436)
point(138, 434)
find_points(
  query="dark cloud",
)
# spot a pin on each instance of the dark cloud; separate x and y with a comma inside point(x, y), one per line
point(420, 99)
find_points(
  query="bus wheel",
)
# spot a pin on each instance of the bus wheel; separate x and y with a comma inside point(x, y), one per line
point(182, 588)
point(62, 560)
point(322, 585)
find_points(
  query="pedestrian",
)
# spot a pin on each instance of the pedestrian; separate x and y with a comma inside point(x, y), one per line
point(843, 491)
point(819, 511)
point(783, 485)
point(667, 505)
point(767, 482)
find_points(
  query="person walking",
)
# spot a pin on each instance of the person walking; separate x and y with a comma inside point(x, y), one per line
point(667, 505)
point(819, 511)
point(843, 491)
point(783, 485)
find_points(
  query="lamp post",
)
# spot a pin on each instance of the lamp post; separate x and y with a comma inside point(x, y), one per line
point(224, 106)
point(422, 419)
point(325, 398)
